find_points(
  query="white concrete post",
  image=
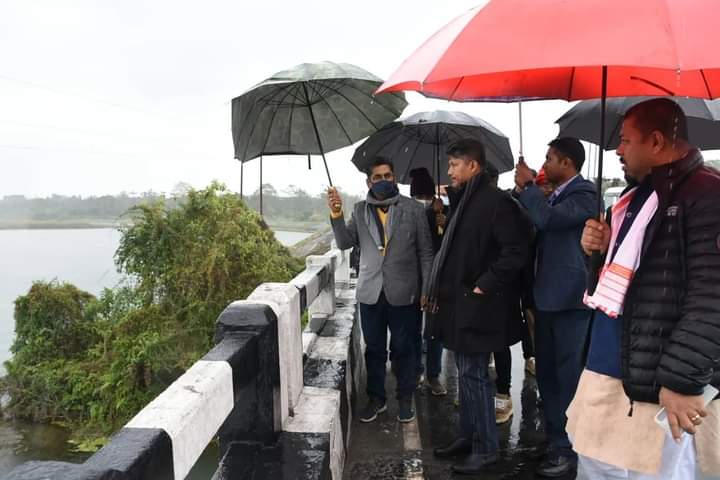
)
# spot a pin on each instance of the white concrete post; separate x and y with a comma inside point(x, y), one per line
point(324, 304)
point(284, 299)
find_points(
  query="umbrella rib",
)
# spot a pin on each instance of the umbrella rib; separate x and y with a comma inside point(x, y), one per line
point(342, 127)
point(572, 80)
point(353, 104)
point(707, 87)
point(290, 125)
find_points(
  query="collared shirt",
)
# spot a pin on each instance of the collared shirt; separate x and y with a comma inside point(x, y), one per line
point(556, 193)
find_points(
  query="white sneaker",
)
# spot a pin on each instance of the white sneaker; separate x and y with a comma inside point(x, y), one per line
point(503, 408)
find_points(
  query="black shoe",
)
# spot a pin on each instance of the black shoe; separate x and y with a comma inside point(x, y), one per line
point(406, 414)
point(371, 411)
point(555, 466)
point(459, 446)
point(475, 463)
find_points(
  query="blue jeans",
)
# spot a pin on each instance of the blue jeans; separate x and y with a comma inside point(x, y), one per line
point(560, 343)
point(477, 402)
point(375, 320)
point(433, 358)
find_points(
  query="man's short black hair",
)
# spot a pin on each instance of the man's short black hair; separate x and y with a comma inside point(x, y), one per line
point(468, 149)
point(378, 161)
point(662, 115)
point(571, 148)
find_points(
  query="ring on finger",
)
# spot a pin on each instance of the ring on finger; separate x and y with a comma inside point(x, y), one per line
point(696, 419)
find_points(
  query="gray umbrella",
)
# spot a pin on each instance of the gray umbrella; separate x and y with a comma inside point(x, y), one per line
point(310, 109)
point(581, 121)
point(421, 140)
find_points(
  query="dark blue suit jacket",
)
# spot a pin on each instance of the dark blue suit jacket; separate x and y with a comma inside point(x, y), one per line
point(560, 269)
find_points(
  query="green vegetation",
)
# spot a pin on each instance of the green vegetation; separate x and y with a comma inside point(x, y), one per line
point(92, 363)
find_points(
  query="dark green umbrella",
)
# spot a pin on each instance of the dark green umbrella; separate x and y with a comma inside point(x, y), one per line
point(311, 109)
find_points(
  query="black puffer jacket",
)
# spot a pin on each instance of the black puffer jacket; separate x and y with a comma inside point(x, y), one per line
point(671, 328)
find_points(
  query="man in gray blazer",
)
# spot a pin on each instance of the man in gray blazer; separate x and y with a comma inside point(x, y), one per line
point(395, 246)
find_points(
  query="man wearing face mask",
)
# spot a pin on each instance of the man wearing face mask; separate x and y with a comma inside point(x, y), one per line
point(395, 258)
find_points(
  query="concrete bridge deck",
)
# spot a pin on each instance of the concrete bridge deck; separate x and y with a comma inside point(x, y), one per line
point(386, 449)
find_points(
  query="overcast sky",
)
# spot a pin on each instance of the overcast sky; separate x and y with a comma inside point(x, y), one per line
point(100, 96)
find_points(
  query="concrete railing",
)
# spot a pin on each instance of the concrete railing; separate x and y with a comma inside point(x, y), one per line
point(278, 399)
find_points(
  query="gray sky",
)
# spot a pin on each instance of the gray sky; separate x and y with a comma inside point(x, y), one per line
point(100, 96)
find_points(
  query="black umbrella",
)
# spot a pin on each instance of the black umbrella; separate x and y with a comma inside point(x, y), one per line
point(581, 120)
point(421, 140)
point(310, 109)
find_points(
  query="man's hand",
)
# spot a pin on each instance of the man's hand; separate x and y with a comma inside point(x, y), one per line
point(334, 201)
point(684, 412)
point(595, 236)
point(523, 174)
point(477, 291)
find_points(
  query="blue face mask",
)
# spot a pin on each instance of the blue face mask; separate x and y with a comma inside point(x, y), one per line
point(384, 189)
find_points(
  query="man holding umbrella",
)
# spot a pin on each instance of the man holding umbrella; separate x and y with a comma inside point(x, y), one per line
point(395, 258)
point(656, 332)
point(562, 321)
point(474, 295)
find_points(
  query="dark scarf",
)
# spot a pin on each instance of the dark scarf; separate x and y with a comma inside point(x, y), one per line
point(432, 288)
point(378, 232)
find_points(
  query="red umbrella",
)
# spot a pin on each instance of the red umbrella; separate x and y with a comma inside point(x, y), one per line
point(512, 50)
point(555, 49)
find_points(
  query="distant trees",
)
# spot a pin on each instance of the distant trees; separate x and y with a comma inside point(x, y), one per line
point(291, 205)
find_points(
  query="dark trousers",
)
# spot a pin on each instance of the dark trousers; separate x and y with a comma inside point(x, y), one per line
point(375, 320)
point(503, 363)
point(433, 357)
point(560, 340)
point(477, 402)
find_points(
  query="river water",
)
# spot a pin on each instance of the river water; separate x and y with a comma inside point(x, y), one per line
point(83, 257)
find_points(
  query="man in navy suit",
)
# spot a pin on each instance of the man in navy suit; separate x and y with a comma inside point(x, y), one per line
point(562, 320)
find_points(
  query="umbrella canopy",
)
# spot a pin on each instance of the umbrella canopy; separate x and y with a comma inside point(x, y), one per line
point(422, 139)
point(310, 109)
point(581, 120)
point(555, 49)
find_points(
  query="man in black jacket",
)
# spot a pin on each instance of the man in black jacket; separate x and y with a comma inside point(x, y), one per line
point(656, 330)
point(474, 295)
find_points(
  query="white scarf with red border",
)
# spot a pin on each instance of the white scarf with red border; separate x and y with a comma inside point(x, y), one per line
point(615, 277)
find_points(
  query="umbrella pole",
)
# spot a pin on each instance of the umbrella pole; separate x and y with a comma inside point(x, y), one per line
point(520, 118)
point(242, 171)
point(317, 134)
point(261, 186)
point(596, 259)
point(437, 156)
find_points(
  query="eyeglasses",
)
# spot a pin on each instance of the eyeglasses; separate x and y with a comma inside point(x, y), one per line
point(377, 177)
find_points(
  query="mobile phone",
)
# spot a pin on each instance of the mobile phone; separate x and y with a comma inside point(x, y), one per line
point(661, 417)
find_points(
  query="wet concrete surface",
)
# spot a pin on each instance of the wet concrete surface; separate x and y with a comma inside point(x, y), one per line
point(386, 449)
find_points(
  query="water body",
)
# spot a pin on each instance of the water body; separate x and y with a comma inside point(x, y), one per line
point(83, 257)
